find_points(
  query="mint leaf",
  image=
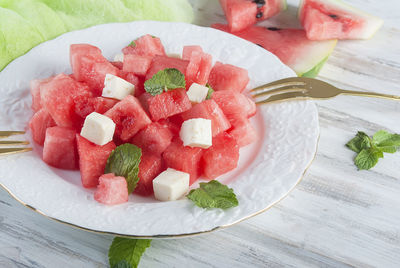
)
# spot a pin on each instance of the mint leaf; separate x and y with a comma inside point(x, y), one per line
point(210, 91)
point(359, 142)
point(213, 194)
point(132, 44)
point(122, 264)
point(165, 80)
point(368, 158)
point(384, 139)
point(124, 161)
point(128, 250)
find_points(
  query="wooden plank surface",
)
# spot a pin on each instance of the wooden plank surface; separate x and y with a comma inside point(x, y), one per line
point(336, 217)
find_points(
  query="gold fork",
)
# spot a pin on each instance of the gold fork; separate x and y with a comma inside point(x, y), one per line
point(300, 88)
point(6, 134)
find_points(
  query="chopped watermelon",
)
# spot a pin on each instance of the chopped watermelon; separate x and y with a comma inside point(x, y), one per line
point(162, 62)
point(117, 64)
point(241, 14)
point(92, 160)
point(59, 149)
point(135, 80)
point(150, 166)
point(234, 104)
point(209, 109)
point(102, 105)
point(84, 107)
point(291, 46)
point(137, 64)
point(221, 157)
point(333, 19)
point(198, 69)
point(146, 45)
point(38, 124)
point(89, 66)
point(129, 117)
point(59, 96)
point(168, 104)
point(188, 50)
point(243, 132)
point(184, 158)
point(154, 138)
point(228, 77)
point(173, 123)
point(35, 92)
point(112, 190)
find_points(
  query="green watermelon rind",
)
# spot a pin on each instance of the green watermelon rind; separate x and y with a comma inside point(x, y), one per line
point(315, 70)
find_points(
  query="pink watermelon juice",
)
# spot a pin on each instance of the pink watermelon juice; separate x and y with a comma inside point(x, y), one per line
point(63, 103)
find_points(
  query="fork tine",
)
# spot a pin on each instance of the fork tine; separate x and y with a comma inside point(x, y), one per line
point(14, 142)
point(292, 81)
point(283, 96)
point(5, 134)
point(4, 151)
point(279, 90)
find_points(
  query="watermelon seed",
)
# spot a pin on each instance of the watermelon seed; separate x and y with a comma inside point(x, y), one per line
point(259, 15)
point(259, 45)
point(333, 16)
point(259, 3)
point(273, 28)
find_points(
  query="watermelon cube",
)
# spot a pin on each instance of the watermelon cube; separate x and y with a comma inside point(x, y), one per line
point(221, 157)
point(135, 80)
point(112, 190)
point(150, 166)
point(35, 92)
point(59, 96)
point(136, 64)
point(92, 160)
point(235, 105)
point(129, 117)
point(188, 50)
point(38, 124)
point(59, 148)
point(173, 123)
point(209, 109)
point(228, 77)
point(168, 104)
point(154, 138)
point(243, 132)
point(184, 158)
point(102, 105)
point(162, 62)
point(198, 69)
point(77, 52)
point(146, 45)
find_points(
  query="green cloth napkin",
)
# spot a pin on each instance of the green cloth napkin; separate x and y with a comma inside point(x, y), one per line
point(26, 23)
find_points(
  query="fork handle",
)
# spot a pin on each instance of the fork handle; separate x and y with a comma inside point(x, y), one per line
point(369, 94)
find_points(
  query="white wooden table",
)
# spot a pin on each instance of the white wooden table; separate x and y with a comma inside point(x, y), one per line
point(336, 217)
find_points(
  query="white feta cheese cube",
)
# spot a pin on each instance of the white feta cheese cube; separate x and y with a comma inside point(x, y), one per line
point(119, 57)
point(196, 132)
point(197, 93)
point(98, 128)
point(171, 185)
point(117, 88)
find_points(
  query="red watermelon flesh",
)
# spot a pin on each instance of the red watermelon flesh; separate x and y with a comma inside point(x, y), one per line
point(163, 62)
point(221, 157)
point(184, 158)
point(59, 149)
point(154, 138)
point(145, 45)
point(188, 50)
point(241, 14)
point(96, 104)
point(150, 166)
point(135, 80)
point(59, 97)
point(243, 132)
point(35, 92)
point(234, 104)
point(112, 190)
point(198, 69)
point(77, 51)
point(129, 117)
point(333, 19)
point(38, 124)
point(291, 46)
point(117, 64)
point(92, 160)
point(137, 64)
point(228, 77)
point(209, 109)
point(173, 123)
point(168, 104)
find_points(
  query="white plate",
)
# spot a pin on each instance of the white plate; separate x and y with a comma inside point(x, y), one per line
point(267, 170)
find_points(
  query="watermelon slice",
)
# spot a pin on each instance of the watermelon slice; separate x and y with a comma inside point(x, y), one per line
point(112, 190)
point(333, 19)
point(150, 166)
point(92, 160)
point(59, 149)
point(154, 138)
point(38, 124)
point(291, 46)
point(241, 14)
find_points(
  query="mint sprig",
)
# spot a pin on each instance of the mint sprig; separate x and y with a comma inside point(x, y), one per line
point(124, 161)
point(213, 194)
point(132, 44)
point(126, 253)
point(165, 80)
point(370, 150)
point(210, 91)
